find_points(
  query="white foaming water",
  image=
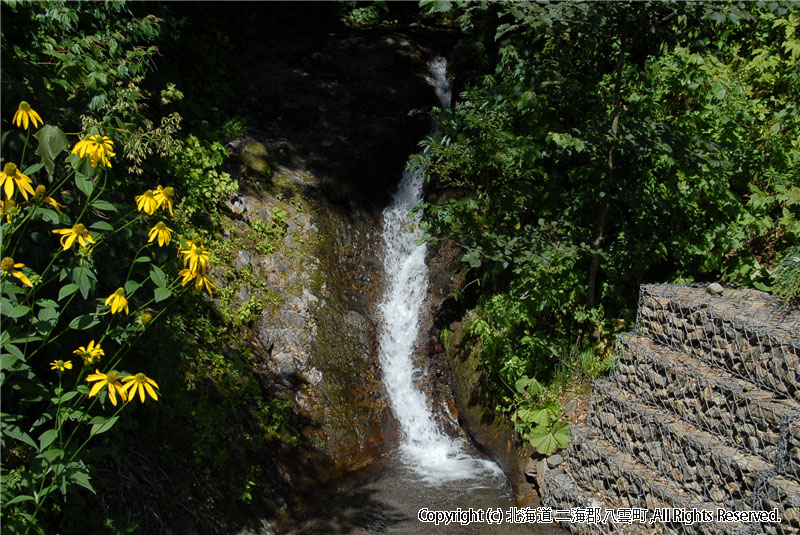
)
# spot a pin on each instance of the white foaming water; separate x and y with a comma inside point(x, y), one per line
point(436, 457)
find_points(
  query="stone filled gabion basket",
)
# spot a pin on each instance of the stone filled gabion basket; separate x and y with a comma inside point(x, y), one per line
point(748, 333)
point(701, 412)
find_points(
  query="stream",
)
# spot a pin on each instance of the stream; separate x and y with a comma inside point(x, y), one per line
point(430, 470)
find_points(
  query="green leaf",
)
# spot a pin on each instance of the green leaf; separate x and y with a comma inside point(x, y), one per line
point(33, 168)
point(66, 397)
point(84, 183)
point(101, 424)
point(18, 499)
point(7, 361)
point(16, 433)
point(100, 204)
point(472, 257)
point(541, 417)
point(79, 164)
point(16, 311)
point(52, 454)
point(82, 479)
point(101, 225)
point(14, 350)
point(141, 259)
point(47, 438)
point(132, 286)
point(47, 314)
point(67, 290)
point(97, 102)
point(542, 439)
point(560, 431)
point(48, 216)
point(161, 294)
point(761, 286)
point(83, 276)
point(526, 415)
point(82, 323)
point(522, 384)
point(46, 320)
point(157, 276)
point(52, 141)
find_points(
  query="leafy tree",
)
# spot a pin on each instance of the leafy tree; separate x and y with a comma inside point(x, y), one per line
point(612, 144)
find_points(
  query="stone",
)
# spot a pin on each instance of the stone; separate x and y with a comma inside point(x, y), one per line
point(530, 468)
point(243, 294)
point(242, 259)
point(569, 409)
point(554, 460)
point(313, 375)
point(790, 514)
point(254, 158)
point(541, 470)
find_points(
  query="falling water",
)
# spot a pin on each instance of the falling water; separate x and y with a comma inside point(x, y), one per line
point(425, 448)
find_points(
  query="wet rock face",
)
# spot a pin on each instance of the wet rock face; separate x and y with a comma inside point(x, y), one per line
point(314, 271)
point(333, 117)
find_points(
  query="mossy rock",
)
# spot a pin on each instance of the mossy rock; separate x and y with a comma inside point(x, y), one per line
point(254, 157)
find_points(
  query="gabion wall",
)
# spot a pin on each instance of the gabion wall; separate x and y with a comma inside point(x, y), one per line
point(700, 412)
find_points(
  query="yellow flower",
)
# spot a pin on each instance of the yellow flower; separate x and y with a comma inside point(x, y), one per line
point(8, 266)
point(200, 280)
point(195, 256)
point(164, 196)
point(162, 232)
point(9, 176)
point(9, 209)
point(61, 365)
point(41, 195)
point(145, 319)
point(117, 301)
point(69, 235)
point(90, 354)
point(146, 202)
point(139, 382)
point(110, 380)
point(24, 114)
point(98, 148)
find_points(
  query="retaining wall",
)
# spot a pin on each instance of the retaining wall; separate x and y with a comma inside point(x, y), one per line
point(702, 411)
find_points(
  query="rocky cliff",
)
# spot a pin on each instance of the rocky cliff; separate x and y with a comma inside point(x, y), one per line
point(333, 117)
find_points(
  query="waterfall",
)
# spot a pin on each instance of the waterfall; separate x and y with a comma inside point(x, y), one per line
point(425, 448)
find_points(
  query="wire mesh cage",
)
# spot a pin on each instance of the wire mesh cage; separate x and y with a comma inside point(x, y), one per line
point(700, 413)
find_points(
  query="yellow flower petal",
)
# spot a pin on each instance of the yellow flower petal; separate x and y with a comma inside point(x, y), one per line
point(96, 388)
point(22, 278)
point(151, 391)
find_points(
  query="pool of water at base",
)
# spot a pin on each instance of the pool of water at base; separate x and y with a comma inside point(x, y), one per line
point(386, 498)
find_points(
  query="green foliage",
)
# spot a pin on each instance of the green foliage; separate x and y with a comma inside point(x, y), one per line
point(269, 235)
point(591, 366)
point(83, 54)
point(86, 63)
point(92, 67)
point(64, 330)
point(196, 171)
point(361, 14)
point(538, 424)
point(230, 129)
point(787, 274)
point(612, 144)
